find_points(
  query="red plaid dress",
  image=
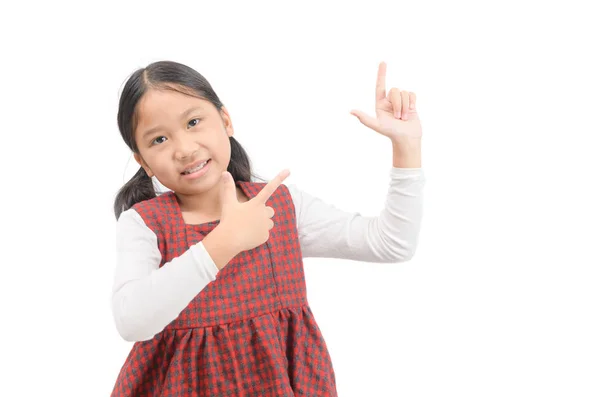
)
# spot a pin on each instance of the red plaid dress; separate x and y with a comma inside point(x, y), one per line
point(248, 333)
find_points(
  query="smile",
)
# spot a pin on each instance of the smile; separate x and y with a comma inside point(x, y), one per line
point(196, 169)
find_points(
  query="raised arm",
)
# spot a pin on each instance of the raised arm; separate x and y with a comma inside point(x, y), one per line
point(329, 232)
point(326, 231)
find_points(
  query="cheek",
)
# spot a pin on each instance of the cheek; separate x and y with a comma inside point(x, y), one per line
point(158, 162)
point(226, 150)
point(222, 148)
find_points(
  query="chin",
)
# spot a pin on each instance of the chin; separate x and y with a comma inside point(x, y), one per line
point(200, 185)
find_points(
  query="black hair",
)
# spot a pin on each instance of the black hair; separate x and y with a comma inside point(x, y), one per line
point(165, 75)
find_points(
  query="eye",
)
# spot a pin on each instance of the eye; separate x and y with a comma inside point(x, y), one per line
point(156, 141)
point(192, 120)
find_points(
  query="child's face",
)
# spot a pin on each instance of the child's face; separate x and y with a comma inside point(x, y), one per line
point(181, 139)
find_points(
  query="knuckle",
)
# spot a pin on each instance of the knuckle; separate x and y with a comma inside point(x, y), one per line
point(270, 211)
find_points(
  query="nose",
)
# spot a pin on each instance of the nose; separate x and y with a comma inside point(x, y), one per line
point(184, 149)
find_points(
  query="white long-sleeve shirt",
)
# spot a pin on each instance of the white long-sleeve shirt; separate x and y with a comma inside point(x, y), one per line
point(146, 298)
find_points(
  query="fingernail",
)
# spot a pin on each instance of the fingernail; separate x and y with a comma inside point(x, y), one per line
point(412, 105)
point(398, 115)
point(405, 116)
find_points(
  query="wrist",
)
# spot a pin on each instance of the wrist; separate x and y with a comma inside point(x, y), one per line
point(218, 244)
point(406, 152)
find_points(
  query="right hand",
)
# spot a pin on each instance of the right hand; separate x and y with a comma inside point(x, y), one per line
point(247, 225)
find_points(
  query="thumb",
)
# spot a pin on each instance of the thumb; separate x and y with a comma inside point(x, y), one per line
point(228, 193)
point(365, 119)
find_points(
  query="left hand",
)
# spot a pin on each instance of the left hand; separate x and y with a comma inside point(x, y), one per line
point(397, 116)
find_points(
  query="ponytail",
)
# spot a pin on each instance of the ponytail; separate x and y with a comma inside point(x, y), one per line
point(138, 189)
point(239, 163)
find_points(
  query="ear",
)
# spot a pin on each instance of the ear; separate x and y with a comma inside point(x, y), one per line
point(143, 164)
point(227, 121)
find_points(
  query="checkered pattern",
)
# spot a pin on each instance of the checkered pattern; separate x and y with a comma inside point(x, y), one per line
point(249, 333)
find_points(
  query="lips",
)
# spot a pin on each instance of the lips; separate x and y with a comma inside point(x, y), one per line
point(193, 166)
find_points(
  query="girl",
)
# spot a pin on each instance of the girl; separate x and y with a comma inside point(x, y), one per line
point(209, 280)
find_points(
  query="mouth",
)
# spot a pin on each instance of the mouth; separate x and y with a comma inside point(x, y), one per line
point(195, 167)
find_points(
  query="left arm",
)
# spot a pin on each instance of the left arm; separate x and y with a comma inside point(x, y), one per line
point(329, 232)
point(326, 231)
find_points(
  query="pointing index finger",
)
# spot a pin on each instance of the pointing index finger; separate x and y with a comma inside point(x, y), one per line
point(270, 187)
point(380, 85)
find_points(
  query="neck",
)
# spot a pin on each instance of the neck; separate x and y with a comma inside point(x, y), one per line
point(206, 205)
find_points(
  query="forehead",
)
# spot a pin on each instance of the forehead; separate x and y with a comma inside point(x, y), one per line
point(165, 106)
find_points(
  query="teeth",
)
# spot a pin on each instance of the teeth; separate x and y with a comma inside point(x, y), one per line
point(198, 168)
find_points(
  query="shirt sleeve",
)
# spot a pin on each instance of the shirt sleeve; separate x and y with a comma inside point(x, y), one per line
point(145, 297)
point(327, 231)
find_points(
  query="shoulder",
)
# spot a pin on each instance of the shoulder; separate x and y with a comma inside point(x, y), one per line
point(289, 193)
point(150, 212)
point(132, 227)
point(299, 196)
point(253, 188)
point(153, 205)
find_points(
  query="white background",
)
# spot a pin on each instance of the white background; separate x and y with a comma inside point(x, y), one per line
point(502, 297)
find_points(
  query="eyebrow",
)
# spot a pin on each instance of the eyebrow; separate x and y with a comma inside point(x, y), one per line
point(183, 115)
